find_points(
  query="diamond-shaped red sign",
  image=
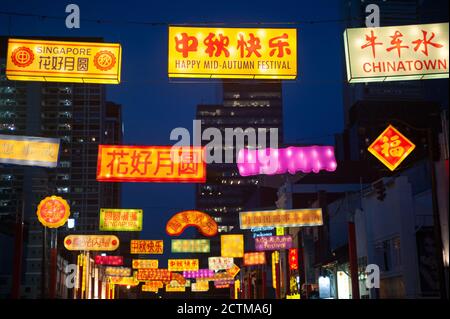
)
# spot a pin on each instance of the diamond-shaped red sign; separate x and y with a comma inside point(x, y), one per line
point(391, 147)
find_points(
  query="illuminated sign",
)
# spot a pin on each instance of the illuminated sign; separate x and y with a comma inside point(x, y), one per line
point(273, 243)
point(202, 221)
point(275, 261)
point(201, 273)
point(233, 271)
point(91, 242)
point(262, 231)
point(221, 286)
point(281, 218)
point(118, 271)
point(146, 246)
point(153, 274)
point(58, 61)
point(232, 245)
point(391, 147)
point(190, 246)
point(182, 264)
point(144, 263)
point(242, 53)
point(293, 296)
point(53, 211)
point(179, 278)
point(152, 286)
point(147, 288)
point(32, 151)
point(200, 286)
point(398, 53)
point(293, 259)
point(170, 288)
point(109, 260)
point(112, 219)
point(280, 231)
point(120, 163)
point(220, 263)
point(273, 161)
point(124, 281)
point(254, 258)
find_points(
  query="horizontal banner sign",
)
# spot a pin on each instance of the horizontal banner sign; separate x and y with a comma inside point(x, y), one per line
point(124, 281)
point(242, 53)
point(145, 263)
point(273, 243)
point(118, 271)
point(29, 151)
point(397, 53)
point(220, 263)
point(182, 264)
point(200, 286)
point(91, 242)
point(146, 246)
point(281, 218)
point(153, 274)
point(190, 246)
point(120, 219)
point(254, 258)
point(120, 163)
point(109, 260)
point(60, 61)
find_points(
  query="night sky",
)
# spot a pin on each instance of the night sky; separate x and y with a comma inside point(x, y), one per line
point(152, 105)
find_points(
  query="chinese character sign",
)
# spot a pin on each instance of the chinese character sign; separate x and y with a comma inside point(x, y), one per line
point(232, 245)
point(206, 225)
point(145, 263)
point(58, 61)
point(153, 274)
point(220, 263)
point(109, 260)
point(281, 218)
point(122, 163)
point(124, 281)
point(200, 286)
point(273, 243)
point(254, 258)
point(190, 246)
point(146, 246)
point(182, 264)
point(91, 242)
point(53, 211)
point(118, 271)
point(120, 219)
point(30, 151)
point(391, 147)
point(409, 52)
point(293, 259)
point(201, 273)
point(243, 53)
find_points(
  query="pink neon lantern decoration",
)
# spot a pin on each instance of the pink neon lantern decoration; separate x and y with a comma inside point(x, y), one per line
point(272, 161)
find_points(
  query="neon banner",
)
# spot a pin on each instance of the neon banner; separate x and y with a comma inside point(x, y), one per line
point(91, 242)
point(53, 211)
point(146, 246)
point(190, 246)
point(241, 53)
point(220, 263)
point(281, 218)
point(153, 274)
point(109, 260)
point(273, 243)
point(182, 264)
point(254, 258)
point(205, 224)
point(293, 259)
point(232, 245)
point(145, 263)
point(30, 151)
point(273, 161)
point(118, 271)
point(61, 61)
point(120, 163)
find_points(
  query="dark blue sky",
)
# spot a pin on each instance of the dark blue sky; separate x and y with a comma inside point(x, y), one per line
point(153, 106)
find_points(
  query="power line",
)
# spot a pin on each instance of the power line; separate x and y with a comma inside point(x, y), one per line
point(161, 23)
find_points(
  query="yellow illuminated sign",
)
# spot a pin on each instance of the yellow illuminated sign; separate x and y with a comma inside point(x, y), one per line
point(53, 211)
point(146, 246)
point(190, 245)
point(26, 150)
point(280, 231)
point(397, 53)
point(61, 61)
point(182, 264)
point(243, 53)
point(91, 242)
point(120, 219)
point(145, 263)
point(170, 288)
point(232, 245)
point(200, 286)
point(281, 218)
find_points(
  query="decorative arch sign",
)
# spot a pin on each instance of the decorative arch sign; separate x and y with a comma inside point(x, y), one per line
point(205, 224)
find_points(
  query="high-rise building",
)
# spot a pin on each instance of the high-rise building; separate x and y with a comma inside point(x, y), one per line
point(80, 117)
